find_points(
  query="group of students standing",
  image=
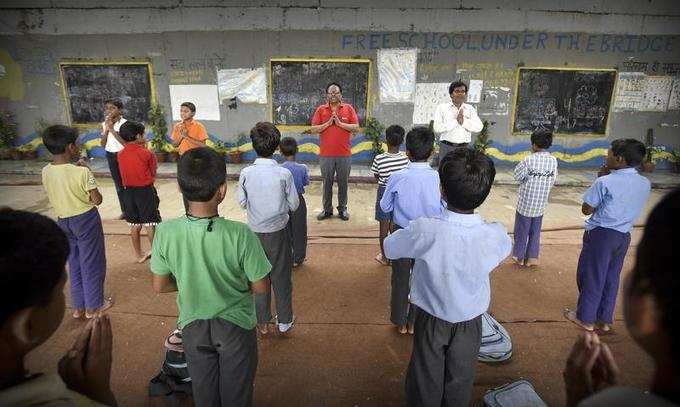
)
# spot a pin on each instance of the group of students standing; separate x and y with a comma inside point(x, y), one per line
point(441, 251)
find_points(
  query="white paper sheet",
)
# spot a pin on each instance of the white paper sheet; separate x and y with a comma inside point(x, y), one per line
point(397, 75)
point(656, 93)
point(428, 96)
point(248, 85)
point(203, 96)
point(475, 91)
point(674, 99)
point(629, 88)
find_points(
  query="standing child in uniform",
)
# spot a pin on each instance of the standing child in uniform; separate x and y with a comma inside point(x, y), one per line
point(112, 143)
point(383, 166)
point(72, 191)
point(267, 191)
point(216, 266)
point(615, 201)
point(138, 170)
point(536, 175)
point(188, 133)
point(298, 218)
point(454, 254)
point(410, 194)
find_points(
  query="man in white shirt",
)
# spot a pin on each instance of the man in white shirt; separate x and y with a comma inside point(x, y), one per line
point(454, 121)
point(113, 143)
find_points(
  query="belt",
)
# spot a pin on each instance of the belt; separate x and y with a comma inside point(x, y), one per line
point(448, 143)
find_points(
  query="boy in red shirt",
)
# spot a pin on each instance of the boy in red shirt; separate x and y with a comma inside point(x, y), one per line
point(138, 172)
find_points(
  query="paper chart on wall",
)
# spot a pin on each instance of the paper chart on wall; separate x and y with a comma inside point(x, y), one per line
point(397, 75)
point(203, 96)
point(428, 96)
point(629, 89)
point(674, 99)
point(656, 93)
point(248, 85)
point(474, 94)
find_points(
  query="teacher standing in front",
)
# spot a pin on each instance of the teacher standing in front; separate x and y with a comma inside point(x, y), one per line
point(455, 121)
point(335, 122)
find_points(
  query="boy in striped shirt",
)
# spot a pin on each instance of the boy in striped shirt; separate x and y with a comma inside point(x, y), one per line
point(536, 176)
point(383, 166)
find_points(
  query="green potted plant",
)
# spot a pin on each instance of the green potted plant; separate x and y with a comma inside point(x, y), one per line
point(221, 149)
point(159, 128)
point(652, 156)
point(482, 142)
point(235, 155)
point(373, 130)
point(8, 134)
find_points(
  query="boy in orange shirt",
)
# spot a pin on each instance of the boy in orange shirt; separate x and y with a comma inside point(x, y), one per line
point(188, 133)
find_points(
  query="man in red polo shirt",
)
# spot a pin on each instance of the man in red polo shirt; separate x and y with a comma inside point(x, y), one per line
point(335, 122)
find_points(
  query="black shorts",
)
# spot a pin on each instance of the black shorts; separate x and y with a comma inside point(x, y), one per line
point(140, 206)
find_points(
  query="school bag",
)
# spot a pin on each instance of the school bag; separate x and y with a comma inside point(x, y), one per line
point(517, 394)
point(173, 381)
point(496, 343)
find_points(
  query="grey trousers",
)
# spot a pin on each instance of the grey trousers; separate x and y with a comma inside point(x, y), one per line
point(222, 360)
point(443, 361)
point(297, 225)
point(401, 311)
point(445, 149)
point(338, 168)
point(278, 249)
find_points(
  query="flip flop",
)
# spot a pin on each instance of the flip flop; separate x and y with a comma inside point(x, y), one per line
point(380, 259)
point(108, 303)
point(571, 317)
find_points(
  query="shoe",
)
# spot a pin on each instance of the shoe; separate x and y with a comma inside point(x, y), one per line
point(283, 328)
point(532, 262)
point(344, 215)
point(324, 215)
point(571, 317)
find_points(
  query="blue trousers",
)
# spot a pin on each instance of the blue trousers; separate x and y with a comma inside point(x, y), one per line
point(86, 259)
point(599, 270)
point(527, 236)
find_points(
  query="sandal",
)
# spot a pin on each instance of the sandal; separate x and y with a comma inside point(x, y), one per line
point(381, 259)
point(108, 303)
point(571, 317)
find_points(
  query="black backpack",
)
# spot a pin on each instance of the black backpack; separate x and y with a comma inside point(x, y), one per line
point(173, 381)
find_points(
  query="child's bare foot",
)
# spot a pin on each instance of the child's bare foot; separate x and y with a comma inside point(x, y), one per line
point(410, 328)
point(517, 261)
point(532, 262)
point(108, 303)
point(571, 316)
point(144, 258)
point(402, 329)
point(78, 313)
point(603, 326)
point(382, 259)
point(263, 329)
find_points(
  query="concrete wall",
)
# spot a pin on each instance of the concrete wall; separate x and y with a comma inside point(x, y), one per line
point(187, 42)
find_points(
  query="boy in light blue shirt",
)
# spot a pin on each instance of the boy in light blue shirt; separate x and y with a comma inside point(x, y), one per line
point(615, 201)
point(268, 192)
point(454, 254)
point(410, 193)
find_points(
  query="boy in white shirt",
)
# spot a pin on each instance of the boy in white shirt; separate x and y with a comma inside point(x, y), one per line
point(113, 143)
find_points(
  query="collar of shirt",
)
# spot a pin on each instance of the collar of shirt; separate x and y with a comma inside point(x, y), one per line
point(133, 145)
point(265, 161)
point(628, 170)
point(420, 165)
point(464, 219)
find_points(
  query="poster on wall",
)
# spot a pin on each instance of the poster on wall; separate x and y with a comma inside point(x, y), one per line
point(475, 91)
point(247, 85)
point(674, 99)
point(656, 93)
point(397, 75)
point(203, 96)
point(629, 89)
point(428, 96)
point(495, 101)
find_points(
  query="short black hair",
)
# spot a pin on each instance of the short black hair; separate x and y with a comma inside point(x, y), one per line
point(116, 102)
point(419, 143)
point(457, 84)
point(466, 176)
point(542, 138)
point(129, 130)
point(633, 151)
point(265, 137)
point(334, 84)
point(31, 261)
point(655, 269)
point(288, 146)
point(190, 105)
point(394, 135)
point(56, 138)
point(200, 172)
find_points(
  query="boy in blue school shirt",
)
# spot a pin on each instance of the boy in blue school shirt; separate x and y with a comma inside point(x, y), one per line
point(267, 192)
point(298, 218)
point(454, 254)
point(615, 201)
point(410, 194)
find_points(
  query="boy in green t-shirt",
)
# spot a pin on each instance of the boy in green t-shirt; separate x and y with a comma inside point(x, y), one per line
point(214, 264)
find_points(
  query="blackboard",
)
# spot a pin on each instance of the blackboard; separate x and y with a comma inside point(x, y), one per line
point(567, 101)
point(88, 85)
point(298, 87)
